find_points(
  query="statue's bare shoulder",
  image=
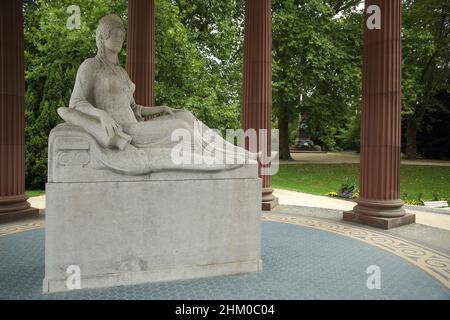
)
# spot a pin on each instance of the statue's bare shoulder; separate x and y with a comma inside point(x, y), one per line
point(88, 68)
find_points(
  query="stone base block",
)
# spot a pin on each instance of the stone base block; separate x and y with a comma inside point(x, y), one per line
point(20, 214)
point(156, 275)
point(269, 205)
point(384, 223)
point(120, 233)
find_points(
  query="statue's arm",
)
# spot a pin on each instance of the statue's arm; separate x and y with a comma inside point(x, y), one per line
point(149, 111)
point(90, 110)
point(137, 110)
point(141, 111)
point(85, 79)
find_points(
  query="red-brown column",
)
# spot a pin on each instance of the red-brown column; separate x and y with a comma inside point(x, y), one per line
point(13, 201)
point(379, 203)
point(141, 49)
point(257, 94)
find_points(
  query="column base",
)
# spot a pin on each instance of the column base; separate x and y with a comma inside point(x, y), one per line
point(16, 207)
point(379, 222)
point(269, 205)
point(269, 201)
point(20, 214)
point(380, 208)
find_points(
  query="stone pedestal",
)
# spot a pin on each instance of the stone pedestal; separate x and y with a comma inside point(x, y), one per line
point(13, 201)
point(129, 229)
point(379, 203)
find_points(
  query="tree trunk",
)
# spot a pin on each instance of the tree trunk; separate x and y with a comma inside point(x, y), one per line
point(411, 139)
point(283, 127)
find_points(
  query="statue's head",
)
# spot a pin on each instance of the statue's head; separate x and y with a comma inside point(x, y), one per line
point(110, 34)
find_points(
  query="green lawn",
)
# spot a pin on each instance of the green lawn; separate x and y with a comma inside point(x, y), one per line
point(34, 193)
point(323, 178)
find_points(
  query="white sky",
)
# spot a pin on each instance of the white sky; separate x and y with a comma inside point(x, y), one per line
point(359, 7)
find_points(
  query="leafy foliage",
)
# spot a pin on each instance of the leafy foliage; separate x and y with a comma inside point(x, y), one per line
point(426, 56)
point(317, 47)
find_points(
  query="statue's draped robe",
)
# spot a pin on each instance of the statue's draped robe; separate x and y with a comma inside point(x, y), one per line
point(108, 87)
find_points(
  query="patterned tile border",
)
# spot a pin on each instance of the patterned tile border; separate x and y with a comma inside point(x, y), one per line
point(15, 228)
point(434, 263)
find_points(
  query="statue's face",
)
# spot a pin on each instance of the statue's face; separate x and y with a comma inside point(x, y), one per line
point(115, 41)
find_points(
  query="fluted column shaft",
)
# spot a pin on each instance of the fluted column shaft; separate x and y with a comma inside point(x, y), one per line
point(381, 114)
point(141, 49)
point(257, 88)
point(13, 201)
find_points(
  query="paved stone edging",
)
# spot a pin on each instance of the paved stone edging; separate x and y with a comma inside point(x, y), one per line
point(427, 209)
point(15, 228)
point(433, 262)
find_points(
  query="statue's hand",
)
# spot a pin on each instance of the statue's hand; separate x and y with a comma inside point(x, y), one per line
point(168, 110)
point(109, 125)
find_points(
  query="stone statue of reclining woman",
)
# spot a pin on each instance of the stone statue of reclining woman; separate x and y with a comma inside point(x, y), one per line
point(102, 103)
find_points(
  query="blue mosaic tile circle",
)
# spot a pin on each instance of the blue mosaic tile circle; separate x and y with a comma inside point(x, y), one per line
point(298, 263)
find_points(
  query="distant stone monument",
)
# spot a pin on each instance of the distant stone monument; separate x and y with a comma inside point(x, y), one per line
point(303, 141)
point(120, 209)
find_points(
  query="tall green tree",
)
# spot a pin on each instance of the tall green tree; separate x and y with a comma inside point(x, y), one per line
point(426, 64)
point(215, 28)
point(316, 56)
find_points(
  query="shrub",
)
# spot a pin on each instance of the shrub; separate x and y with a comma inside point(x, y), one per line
point(347, 189)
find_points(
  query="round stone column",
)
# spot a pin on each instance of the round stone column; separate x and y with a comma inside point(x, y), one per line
point(13, 201)
point(257, 88)
point(379, 203)
point(141, 49)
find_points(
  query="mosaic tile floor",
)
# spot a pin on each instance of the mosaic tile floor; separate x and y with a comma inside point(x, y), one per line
point(300, 261)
